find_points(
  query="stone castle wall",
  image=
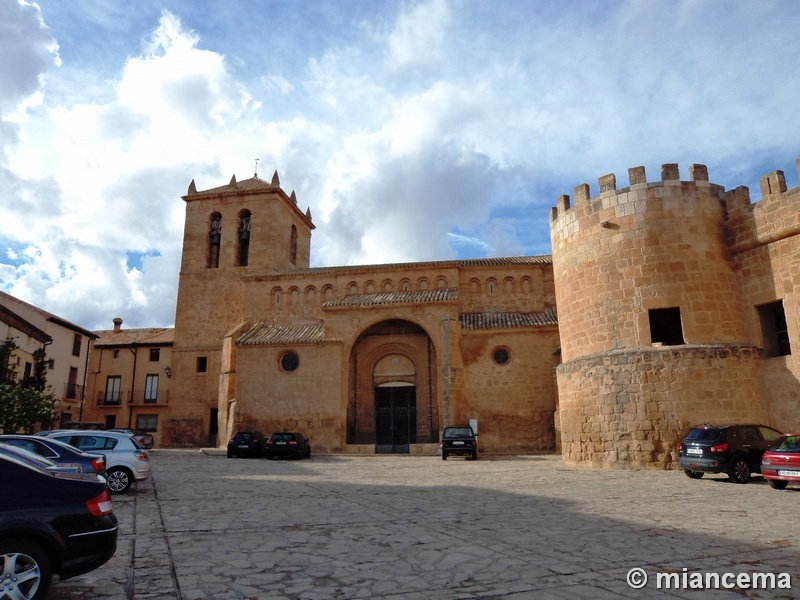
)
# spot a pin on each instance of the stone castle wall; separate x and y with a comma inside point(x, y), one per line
point(670, 244)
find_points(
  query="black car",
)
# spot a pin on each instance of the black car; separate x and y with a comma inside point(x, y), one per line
point(292, 444)
point(246, 443)
point(459, 440)
point(735, 450)
point(58, 452)
point(52, 524)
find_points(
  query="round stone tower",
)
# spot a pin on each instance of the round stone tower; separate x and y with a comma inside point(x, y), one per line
point(652, 332)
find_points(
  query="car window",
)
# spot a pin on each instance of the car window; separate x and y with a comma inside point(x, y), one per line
point(458, 432)
point(704, 434)
point(769, 434)
point(749, 434)
point(31, 446)
point(791, 443)
point(94, 442)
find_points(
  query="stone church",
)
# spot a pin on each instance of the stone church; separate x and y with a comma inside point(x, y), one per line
point(676, 306)
point(364, 359)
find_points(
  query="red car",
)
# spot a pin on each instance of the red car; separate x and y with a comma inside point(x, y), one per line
point(781, 463)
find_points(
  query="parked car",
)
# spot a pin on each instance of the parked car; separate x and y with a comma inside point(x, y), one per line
point(732, 449)
point(292, 444)
point(247, 444)
point(781, 462)
point(50, 525)
point(145, 440)
point(35, 460)
point(126, 460)
point(459, 440)
point(58, 452)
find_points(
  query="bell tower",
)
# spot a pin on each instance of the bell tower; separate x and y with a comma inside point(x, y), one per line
point(244, 228)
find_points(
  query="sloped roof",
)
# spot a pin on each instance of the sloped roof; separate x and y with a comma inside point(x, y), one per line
point(12, 319)
point(383, 298)
point(268, 333)
point(509, 320)
point(149, 336)
point(10, 301)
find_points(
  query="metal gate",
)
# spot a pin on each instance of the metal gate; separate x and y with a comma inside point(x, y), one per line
point(395, 419)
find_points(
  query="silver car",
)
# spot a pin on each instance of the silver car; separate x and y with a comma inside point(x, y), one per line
point(126, 460)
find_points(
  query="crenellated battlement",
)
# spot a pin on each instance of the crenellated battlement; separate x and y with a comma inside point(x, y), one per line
point(746, 225)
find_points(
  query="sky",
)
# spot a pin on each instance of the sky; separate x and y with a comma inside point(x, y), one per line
point(412, 130)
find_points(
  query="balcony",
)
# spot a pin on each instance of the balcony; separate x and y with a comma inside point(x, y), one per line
point(73, 391)
point(139, 398)
point(109, 399)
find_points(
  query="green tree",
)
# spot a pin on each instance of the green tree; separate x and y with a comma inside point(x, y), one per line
point(21, 408)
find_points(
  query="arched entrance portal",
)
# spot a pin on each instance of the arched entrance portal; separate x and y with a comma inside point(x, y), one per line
point(392, 388)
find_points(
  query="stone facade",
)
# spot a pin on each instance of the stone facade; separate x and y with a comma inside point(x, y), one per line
point(362, 359)
point(676, 307)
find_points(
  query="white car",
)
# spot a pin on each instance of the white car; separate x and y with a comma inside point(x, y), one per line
point(126, 460)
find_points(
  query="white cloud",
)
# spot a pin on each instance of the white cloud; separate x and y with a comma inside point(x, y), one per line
point(418, 34)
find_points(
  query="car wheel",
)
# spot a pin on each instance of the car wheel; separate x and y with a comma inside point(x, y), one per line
point(25, 570)
point(740, 471)
point(777, 484)
point(230, 454)
point(475, 455)
point(444, 455)
point(119, 480)
point(269, 456)
point(308, 452)
point(693, 474)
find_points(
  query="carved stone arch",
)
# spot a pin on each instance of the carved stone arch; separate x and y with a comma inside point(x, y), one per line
point(405, 285)
point(369, 287)
point(423, 284)
point(509, 285)
point(393, 356)
point(387, 285)
point(352, 288)
point(294, 295)
point(276, 296)
point(491, 285)
point(310, 295)
point(526, 284)
point(328, 293)
point(441, 282)
point(475, 285)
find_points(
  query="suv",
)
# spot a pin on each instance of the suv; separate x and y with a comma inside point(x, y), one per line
point(459, 440)
point(246, 443)
point(732, 449)
point(126, 460)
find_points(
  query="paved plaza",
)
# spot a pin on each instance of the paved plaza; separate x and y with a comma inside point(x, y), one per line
point(414, 528)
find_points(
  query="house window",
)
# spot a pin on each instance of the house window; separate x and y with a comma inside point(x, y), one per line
point(665, 326)
point(202, 364)
point(76, 344)
point(116, 353)
point(113, 384)
point(774, 329)
point(155, 354)
point(147, 422)
point(73, 389)
point(151, 389)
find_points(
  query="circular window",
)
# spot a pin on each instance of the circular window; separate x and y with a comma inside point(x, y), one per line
point(501, 356)
point(289, 361)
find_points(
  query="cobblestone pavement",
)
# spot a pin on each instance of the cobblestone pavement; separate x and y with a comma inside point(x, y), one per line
point(413, 528)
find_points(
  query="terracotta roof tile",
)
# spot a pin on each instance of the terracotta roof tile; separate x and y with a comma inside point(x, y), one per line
point(509, 320)
point(266, 333)
point(150, 336)
point(383, 298)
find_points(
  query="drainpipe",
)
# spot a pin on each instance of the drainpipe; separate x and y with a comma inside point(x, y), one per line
point(85, 375)
point(133, 387)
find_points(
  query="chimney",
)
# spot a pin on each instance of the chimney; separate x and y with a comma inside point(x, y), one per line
point(117, 324)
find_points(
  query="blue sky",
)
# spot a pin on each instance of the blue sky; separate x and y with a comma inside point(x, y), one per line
point(413, 131)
